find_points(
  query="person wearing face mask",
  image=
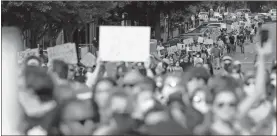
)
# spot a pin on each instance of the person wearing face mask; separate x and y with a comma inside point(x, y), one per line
point(236, 71)
point(184, 63)
point(177, 67)
point(198, 59)
point(227, 65)
point(33, 61)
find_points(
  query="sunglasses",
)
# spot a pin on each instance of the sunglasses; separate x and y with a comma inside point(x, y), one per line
point(71, 70)
point(222, 104)
point(128, 85)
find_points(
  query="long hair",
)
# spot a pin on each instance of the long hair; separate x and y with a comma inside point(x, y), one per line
point(37, 79)
point(61, 68)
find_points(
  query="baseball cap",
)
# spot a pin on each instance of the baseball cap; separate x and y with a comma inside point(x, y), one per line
point(236, 62)
point(227, 58)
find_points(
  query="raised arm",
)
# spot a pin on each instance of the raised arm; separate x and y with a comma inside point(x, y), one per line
point(260, 85)
point(92, 78)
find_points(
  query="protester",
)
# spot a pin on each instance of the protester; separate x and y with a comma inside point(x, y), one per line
point(178, 94)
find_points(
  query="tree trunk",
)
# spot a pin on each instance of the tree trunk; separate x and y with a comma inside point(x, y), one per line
point(157, 24)
point(148, 14)
point(33, 39)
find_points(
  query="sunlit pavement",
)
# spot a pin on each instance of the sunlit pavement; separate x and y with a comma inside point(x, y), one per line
point(247, 58)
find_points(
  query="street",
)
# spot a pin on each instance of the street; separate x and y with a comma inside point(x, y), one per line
point(247, 59)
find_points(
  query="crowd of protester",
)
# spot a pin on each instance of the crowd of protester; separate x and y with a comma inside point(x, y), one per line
point(178, 95)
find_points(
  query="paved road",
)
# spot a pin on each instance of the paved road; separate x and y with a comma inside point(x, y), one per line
point(247, 59)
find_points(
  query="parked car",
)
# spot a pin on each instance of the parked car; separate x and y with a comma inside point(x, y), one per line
point(172, 42)
point(272, 14)
point(200, 31)
point(203, 15)
point(243, 11)
point(264, 18)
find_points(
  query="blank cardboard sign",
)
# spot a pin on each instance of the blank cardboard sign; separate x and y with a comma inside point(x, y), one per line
point(124, 43)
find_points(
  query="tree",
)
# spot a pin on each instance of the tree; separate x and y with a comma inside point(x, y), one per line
point(49, 17)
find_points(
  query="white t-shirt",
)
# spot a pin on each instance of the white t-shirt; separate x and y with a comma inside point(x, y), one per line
point(198, 60)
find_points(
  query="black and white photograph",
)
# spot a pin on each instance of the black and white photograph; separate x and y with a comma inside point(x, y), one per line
point(138, 67)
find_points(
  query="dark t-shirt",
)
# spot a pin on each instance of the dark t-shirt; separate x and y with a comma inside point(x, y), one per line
point(216, 52)
point(185, 65)
point(232, 39)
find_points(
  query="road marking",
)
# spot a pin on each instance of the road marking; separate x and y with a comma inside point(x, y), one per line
point(245, 58)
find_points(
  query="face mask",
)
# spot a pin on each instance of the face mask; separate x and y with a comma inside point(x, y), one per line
point(227, 67)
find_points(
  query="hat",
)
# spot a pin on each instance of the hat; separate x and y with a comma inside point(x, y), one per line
point(237, 62)
point(227, 58)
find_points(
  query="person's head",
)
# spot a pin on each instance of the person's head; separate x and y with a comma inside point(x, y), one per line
point(121, 70)
point(223, 98)
point(39, 83)
point(198, 78)
point(236, 67)
point(33, 61)
point(198, 100)
point(209, 68)
point(174, 83)
point(146, 84)
point(177, 64)
point(249, 83)
point(60, 68)
point(118, 102)
point(227, 63)
point(71, 72)
point(103, 88)
point(198, 64)
point(79, 117)
point(144, 99)
point(161, 68)
point(131, 78)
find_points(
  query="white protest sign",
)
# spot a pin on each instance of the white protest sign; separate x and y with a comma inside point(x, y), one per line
point(190, 40)
point(25, 54)
point(84, 51)
point(208, 41)
point(180, 46)
point(200, 39)
point(124, 43)
point(66, 52)
point(185, 41)
point(88, 60)
point(174, 49)
point(169, 50)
